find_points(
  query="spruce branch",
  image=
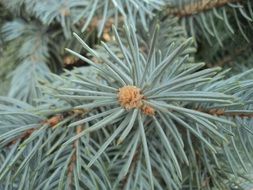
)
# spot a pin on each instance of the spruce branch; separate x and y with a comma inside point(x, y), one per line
point(205, 18)
point(143, 84)
point(43, 132)
point(143, 115)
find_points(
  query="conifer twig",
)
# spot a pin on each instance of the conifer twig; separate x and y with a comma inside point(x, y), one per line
point(73, 158)
point(201, 6)
point(222, 112)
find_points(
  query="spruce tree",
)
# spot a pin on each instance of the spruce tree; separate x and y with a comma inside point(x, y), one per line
point(126, 94)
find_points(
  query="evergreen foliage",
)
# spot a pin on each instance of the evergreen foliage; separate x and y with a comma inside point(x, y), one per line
point(126, 94)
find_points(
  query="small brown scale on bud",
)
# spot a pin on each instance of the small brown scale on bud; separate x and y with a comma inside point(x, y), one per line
point(130, 97)
point(148, 110)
